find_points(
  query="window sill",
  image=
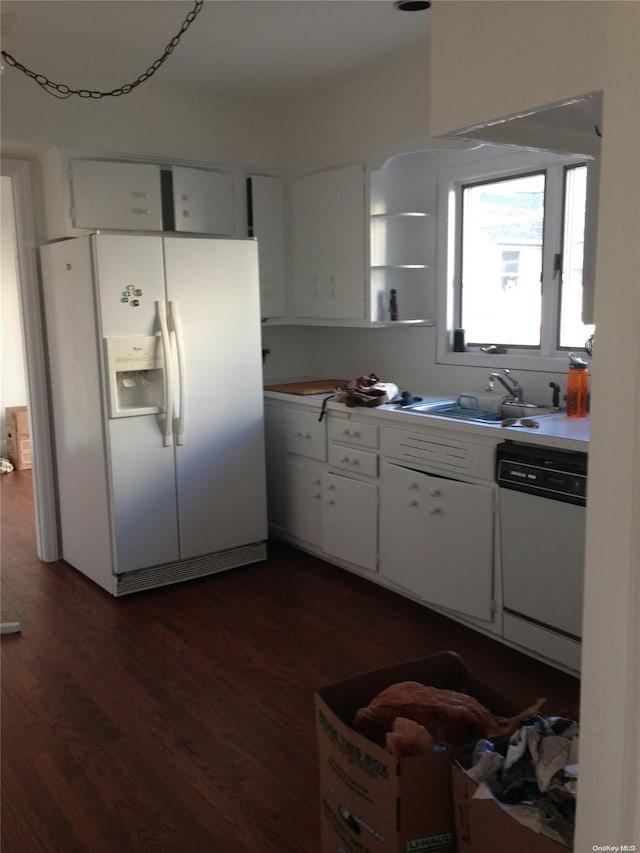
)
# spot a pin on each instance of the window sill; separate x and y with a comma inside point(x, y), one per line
point(511, 360)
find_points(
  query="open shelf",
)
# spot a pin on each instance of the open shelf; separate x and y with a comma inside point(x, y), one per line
point(403, 239)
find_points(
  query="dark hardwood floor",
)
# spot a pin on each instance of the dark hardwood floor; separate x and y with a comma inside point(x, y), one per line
point(181, 719)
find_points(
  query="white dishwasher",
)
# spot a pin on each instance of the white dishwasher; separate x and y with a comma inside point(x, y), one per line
point(543, 494)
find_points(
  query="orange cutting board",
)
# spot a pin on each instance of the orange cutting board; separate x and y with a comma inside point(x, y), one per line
point(311, 386)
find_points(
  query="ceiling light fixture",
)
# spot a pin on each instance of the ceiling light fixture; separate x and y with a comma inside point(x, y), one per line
point(412, 5)
point(60, 90)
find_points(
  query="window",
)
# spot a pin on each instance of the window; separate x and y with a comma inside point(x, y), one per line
point(572, 330)
point(501, 263)
point(515, 249)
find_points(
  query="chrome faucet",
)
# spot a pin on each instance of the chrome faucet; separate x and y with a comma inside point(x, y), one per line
point(515, 389)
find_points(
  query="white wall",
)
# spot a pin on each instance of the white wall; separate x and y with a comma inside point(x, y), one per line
point(402, 355)
point(382, 109)
point(13, 385)
point(148, 122)
point(493, 58)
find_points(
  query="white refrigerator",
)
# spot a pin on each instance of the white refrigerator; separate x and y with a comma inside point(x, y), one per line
point(155, 364)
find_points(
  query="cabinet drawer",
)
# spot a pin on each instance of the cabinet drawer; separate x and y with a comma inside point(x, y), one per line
point(353, 432)
point(305, 434)
point(353, 460)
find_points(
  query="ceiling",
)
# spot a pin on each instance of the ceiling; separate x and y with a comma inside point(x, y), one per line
point(276, 51)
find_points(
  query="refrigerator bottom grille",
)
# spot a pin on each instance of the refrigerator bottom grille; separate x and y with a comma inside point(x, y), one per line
point(184, 570)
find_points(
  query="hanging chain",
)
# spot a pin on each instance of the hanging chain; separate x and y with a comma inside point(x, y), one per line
point(59, 90)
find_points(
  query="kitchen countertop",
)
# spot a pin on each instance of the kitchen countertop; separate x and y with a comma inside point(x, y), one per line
point(555, 430)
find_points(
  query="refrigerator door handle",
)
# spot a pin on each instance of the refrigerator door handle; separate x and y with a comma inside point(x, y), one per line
point(167, 431)
point(174, 317)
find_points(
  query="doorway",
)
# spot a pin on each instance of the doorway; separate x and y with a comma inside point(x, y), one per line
point(19, 208)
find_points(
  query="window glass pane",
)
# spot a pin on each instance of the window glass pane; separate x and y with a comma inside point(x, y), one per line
point(573, 332)
point(501, 264)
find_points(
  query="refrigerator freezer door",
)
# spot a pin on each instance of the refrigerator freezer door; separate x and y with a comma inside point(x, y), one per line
point(130, 281)
point(145, 527)
point(220, 467)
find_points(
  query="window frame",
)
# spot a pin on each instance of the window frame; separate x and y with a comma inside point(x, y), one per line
point(488, 165)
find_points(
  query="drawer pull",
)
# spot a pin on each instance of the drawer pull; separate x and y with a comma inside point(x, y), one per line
point(435, 510)
point(351, 433)
point(330, 502)
point(435, 493)
point(141, 211)
point(413, 502)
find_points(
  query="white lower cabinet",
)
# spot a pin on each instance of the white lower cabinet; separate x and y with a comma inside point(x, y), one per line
point(350, 520)
point(304, 501)
point(437, 539)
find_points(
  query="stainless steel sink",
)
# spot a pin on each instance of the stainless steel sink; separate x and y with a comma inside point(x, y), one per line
point(452, 409)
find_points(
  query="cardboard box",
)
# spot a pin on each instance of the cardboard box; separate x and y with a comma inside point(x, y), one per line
point(18, 438)
point(482, 825)
point(369, 799)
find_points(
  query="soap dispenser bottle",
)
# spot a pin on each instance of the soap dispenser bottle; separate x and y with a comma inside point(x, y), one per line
point(577, 387)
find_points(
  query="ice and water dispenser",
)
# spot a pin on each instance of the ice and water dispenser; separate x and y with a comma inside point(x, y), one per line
point(136, 376)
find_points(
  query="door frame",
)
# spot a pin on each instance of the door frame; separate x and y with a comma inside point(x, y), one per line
point(44, 482)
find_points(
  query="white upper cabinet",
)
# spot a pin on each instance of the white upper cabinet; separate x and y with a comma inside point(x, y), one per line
point(84, 192)
point(267, 224)
point(328, 244)
point(202, 201)
point(115, 196)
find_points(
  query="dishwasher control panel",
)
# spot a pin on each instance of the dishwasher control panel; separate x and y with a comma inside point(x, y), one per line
point(556, 474)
